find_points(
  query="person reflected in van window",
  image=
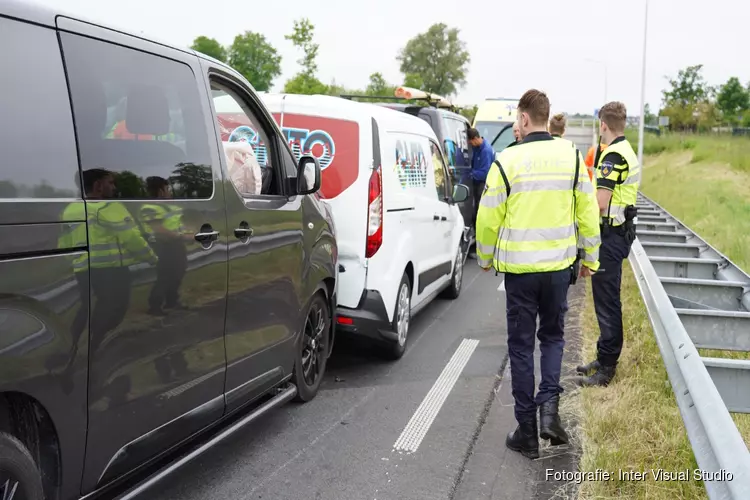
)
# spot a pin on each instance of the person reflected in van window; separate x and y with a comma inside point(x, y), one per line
point(482, 157)
point(74, 235)
point(163, 221)
point(115, 244)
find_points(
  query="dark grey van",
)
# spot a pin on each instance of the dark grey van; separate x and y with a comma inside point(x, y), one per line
point(165, 280)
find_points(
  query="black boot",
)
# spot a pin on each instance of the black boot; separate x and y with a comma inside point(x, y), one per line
point(524, 439)
point(550, 426)
point(586, 369)
point(601, 378)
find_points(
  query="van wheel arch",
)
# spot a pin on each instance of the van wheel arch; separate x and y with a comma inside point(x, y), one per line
point(409, 270)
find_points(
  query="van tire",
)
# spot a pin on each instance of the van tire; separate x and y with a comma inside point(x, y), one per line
point(18, 470)
point(314, 339)
point(454, 289)
point(396, 349)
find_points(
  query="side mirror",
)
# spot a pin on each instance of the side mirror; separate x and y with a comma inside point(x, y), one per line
point(460, 193)
point(308, 175)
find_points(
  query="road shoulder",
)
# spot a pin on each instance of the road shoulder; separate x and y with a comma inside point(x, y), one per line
point(493, 472)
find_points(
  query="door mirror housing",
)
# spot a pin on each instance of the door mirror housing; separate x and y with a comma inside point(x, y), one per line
point(308, 175)
point(460, 193)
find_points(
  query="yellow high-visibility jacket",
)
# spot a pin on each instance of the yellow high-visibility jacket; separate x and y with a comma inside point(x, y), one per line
point(619, 171)
point(529, 211)
point(114, 238)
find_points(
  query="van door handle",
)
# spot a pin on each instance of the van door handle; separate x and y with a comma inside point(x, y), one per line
point(206, 234)
point(244, 231)
point(435, 217)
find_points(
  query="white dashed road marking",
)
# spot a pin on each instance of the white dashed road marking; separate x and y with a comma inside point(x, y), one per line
point(425, 415)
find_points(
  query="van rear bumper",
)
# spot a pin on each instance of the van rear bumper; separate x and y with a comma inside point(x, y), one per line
point(369, 319)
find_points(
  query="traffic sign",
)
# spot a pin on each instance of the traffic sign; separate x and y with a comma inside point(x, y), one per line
point(596, 113)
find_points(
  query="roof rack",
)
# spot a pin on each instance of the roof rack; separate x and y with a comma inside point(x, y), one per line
point(433, 103)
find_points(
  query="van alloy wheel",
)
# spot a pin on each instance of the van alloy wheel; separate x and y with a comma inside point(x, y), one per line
point(314, 345)
point(9, 488)
point(403, 314)
point(19, 475)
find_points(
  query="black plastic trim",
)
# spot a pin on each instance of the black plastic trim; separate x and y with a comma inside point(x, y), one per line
point(370, 318)
point(432, 275)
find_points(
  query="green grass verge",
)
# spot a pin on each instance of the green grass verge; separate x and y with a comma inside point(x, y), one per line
point(635, 424)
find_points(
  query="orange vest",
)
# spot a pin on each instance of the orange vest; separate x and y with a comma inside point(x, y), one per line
point(590, 160)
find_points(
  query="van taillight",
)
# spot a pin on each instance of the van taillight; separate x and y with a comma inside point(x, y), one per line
point(374, 213)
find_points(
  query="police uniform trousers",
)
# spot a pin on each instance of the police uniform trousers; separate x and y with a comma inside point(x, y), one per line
point(529, 295)
point(605, 286)
point(170, 270)
point(111, 288)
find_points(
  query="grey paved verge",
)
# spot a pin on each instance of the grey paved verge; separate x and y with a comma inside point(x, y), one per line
point(492, 472)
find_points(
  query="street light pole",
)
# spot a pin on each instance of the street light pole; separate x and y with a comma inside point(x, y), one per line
point(642, 124)
point(605, 83)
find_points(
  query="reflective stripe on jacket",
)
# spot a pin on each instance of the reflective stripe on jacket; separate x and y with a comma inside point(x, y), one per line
point(533, 229)
point(114, 238)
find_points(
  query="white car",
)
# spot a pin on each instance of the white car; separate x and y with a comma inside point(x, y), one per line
point(398, 228)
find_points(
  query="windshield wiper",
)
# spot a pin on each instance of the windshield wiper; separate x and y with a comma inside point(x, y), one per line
point(499, 134)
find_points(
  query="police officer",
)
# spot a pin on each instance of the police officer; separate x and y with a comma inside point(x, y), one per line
point(557, 126)
point(114, 244)
point(164, 222)
point(516, 135)
point(535, 195)
point(618, 175)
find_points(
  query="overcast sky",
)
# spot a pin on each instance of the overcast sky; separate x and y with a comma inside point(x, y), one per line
point(514, 45)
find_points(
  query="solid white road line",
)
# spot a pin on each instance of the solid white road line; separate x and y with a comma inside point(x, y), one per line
point(425, 415)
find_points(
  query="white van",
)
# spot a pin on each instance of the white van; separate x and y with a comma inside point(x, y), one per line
point(399, 231)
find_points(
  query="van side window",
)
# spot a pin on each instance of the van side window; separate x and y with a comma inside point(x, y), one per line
point(246, 146)
point(37, 142)
point(139, 116)
point(443, 185)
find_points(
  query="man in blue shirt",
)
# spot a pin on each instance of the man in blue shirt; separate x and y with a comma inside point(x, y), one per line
point(482, 157)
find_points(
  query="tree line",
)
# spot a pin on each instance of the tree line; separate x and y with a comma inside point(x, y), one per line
point(692, 104)
point(435, 61)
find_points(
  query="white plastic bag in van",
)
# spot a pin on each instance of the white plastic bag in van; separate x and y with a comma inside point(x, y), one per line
point(244, 169)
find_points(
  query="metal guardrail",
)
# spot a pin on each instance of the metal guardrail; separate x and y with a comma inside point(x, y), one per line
point(697, 298)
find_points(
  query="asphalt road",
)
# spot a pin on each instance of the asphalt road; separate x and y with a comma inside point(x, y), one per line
point(340, 446)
